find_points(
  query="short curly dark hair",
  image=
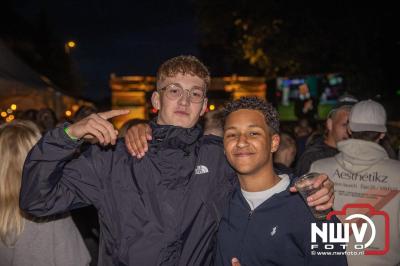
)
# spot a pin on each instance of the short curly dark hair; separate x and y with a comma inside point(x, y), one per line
point(253, 103)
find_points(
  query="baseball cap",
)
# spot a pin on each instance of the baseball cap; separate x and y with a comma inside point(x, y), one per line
point(344, 100)
point(367, 116)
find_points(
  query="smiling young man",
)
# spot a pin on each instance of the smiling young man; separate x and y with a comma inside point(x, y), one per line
point(264, 224)
point(163, 209)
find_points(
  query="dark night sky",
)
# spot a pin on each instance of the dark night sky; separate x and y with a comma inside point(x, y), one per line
point(135, 37)
point(122, 37)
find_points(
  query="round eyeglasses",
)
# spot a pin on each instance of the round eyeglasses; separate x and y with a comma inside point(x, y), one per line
point(174, 91)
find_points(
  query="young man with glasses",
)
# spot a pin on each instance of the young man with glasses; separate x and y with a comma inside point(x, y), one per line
point(163, 209)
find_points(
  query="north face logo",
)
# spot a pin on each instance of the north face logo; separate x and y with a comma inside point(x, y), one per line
point(201, 169)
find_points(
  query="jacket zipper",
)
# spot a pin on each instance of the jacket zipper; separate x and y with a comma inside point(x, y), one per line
point(249, 215)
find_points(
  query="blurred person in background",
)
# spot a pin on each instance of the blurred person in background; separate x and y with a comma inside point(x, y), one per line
point(305, 105)
point(26, 241)
point(29, 114)
point(385, 143)
point(285, 155)
point(213, 123)
point(46, 119)
point(336, 130)
point(302, 131)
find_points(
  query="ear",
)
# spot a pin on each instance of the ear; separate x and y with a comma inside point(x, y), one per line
point(381, 136)
point(156, 100)
point(204, 107)
point(329, 124)
point(275, 140)
point(348, 130)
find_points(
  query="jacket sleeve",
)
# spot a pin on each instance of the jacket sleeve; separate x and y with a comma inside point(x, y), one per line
point(55, 179)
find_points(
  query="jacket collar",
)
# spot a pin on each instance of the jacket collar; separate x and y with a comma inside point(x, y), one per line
point(167, 136)
point(276, 199)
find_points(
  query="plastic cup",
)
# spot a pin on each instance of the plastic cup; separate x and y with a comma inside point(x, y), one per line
point(304, 186)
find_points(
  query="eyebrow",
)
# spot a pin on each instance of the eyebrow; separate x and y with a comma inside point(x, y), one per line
point(250, 126)
point(179, 85)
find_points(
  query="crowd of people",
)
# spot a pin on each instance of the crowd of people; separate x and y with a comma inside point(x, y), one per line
point(165, 192)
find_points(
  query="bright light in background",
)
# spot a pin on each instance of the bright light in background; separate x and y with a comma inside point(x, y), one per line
point(13, 107)
point(71, 44)
point(75, 107)
point(68, 113)
point(212, 107)
point(68, 46)
point(3, 114)
point(9, 111)
point(10, 118)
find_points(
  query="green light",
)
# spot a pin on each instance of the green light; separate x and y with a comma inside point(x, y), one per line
point(398, 92)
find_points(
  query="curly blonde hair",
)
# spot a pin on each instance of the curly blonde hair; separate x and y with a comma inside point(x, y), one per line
point(184, 64)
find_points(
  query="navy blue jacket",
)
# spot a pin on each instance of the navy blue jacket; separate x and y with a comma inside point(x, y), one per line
point(163, 209)
point(278, 232)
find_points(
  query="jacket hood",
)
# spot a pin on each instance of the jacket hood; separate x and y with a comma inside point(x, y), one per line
point(359, 155)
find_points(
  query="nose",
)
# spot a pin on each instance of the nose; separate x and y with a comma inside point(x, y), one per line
point(242, 141)
point(185, 98)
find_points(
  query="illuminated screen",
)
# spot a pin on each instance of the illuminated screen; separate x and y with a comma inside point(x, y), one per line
point(325, 89)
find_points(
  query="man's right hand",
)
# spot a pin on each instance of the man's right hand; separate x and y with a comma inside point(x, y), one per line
point(136, 138)
point(95, 127)
point(235, 262)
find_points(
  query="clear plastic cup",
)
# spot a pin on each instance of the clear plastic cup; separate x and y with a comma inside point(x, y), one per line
point(304, 186)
